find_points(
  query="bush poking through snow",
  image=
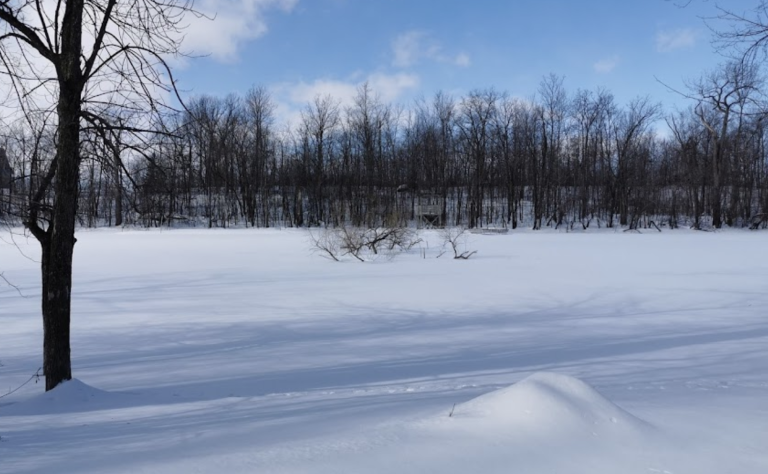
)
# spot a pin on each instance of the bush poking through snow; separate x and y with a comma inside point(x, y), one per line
point(326, 243)
point(456, 237)
point(362, 243)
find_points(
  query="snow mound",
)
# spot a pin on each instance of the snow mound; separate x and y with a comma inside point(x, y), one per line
point(550, 403)
point(70, 396)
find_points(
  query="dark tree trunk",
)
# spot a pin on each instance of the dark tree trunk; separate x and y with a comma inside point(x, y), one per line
point(58, 244)
point(716, 192)
point(58, 251)
point(118, 187)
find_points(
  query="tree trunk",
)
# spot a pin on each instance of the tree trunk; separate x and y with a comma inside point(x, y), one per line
point(118, 187)
point(716, 193)
point(58, 246)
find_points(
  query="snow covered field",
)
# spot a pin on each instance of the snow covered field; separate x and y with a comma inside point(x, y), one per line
point(243, 352)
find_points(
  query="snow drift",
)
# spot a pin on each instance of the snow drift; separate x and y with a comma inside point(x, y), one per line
point(548, 404)
point(545, 423)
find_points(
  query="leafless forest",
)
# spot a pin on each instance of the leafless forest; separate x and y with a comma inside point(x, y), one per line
point(566, 159)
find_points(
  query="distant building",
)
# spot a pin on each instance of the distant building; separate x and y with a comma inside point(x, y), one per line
point(6, 173)
point(429, 210)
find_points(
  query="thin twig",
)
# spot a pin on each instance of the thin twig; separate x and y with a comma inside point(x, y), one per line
point(18, 290)
point(35, 377)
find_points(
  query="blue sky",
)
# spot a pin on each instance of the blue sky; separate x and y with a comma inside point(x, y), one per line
point(407, 49)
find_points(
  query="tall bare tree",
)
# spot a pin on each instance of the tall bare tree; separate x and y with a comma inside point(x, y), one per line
point(318, 124)
point(722, 96)
point(89, 58)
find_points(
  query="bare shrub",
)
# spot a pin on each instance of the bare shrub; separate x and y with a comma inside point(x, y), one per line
point(456, 238)
point(361, 243)
point(324, 243)
point(352, 240)
point(392, 239)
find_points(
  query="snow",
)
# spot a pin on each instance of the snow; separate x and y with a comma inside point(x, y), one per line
point(72, 396)
point(243, 351)
point(545, 403)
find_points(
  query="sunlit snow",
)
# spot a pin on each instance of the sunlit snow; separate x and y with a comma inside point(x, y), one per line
point(243, 351)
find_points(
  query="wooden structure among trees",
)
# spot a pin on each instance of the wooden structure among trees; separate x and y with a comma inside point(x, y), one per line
point(429, 210)
point(6, 181)
point(6, 173)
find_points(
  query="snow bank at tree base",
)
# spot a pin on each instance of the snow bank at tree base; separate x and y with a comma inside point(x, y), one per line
point(70, 396)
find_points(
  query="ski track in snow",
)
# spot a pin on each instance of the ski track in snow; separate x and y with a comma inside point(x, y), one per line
point(242, 351)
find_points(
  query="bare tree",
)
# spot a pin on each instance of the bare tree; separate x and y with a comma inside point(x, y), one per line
point(590, 113)
point(89, 58)
point(552, 114)
point(745, 33)
point(629, 130)
point(456, 238)
point(318, 124)
point(475, 122)
point(720, 96)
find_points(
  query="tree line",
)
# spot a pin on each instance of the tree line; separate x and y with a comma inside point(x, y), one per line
point(561, 159)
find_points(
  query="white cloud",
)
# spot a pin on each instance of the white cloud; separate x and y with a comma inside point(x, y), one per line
point(672, 40)
point(391, 86)
point(413, 47)
point(407, 48)
point(291, 98)
point(463, 60)
point(607, 65)
point(234, 23)
point(303, 93)
point(388, 86)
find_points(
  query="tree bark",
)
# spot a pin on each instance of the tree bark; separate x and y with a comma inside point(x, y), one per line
point(118, 187)
point(59, 242)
